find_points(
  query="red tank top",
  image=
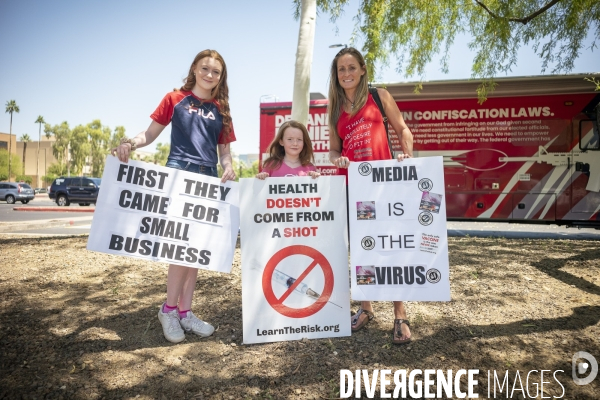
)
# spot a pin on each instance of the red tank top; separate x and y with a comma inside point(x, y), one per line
point(363, 135)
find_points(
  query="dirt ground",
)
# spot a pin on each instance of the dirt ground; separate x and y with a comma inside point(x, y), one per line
point(81, 325)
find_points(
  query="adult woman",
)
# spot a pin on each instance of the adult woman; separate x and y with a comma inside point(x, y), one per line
point(357, 133)
point(200, 124)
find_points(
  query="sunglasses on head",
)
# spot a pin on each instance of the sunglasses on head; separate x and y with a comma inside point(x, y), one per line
point(342, 51)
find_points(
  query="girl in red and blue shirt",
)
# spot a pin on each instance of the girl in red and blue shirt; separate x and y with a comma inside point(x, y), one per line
point(200, 126)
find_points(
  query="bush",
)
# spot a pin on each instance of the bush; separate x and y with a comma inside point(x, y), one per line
point(24, 178)
point(48, 179)
point(15, 164)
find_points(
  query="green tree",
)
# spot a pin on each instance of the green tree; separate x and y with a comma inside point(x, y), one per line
point(11, 107)
point(47, 131)
point(48, 179)
point(39, 120)
point(99, 142)
point(81, 146)
point(60, 147)
point(241, 170)
point(247, 171)
point(55, 170)
point(15, 161)
point(161, 154)
point(118, 134)
point(80, 149)
point(413, 31)
point(85, 144)
point(24, 178)
point(25, 139)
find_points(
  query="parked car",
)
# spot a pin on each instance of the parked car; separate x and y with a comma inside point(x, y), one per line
point(12, 192)
point(40, 190)
point(77, 189)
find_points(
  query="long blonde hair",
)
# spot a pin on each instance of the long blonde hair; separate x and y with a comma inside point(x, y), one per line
point(220, 92)
point(277, 152)
point(337, 96)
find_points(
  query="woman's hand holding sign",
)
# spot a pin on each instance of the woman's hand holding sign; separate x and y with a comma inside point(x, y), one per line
point(341, 162)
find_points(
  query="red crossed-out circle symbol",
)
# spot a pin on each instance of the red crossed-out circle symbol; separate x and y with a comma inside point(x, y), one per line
point(317, 259)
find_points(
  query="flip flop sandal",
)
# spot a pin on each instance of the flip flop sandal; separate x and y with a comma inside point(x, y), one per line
point(397, 332)
point(356, 326)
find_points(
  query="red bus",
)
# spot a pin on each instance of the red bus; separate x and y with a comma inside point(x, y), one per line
point(530, 153)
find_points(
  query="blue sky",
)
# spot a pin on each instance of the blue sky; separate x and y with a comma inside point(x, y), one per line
point(77, 61)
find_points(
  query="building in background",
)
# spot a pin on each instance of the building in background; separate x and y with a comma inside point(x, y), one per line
point(248, 159)
point(46, 157)
point(4, 142)
point(144, 155)
point(31, 165)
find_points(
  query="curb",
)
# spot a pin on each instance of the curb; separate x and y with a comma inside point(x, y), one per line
point(53, 209)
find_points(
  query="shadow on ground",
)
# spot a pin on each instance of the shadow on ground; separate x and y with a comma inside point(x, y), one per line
point(81, 325)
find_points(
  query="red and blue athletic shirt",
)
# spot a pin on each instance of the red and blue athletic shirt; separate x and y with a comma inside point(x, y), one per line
point(196, 127)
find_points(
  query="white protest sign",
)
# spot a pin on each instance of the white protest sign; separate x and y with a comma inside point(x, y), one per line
point(164, 214)
point(398, 236)
point(294, 259)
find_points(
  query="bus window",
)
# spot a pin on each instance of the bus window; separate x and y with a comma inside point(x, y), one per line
point(589, 137)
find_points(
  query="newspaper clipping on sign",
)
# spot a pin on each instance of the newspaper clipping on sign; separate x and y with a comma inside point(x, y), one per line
point(164, 214)
point(294, 259)
point(398, 236)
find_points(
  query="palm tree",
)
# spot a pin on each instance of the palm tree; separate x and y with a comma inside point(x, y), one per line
point(39, 120)
point(25, 139)
point(11, 107)
point(304, 55)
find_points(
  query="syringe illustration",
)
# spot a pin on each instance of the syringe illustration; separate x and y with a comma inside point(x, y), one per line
point(303, 288)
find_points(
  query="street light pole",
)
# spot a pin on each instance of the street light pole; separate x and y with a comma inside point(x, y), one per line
point(37, 165)
point(45, 164)
point(91, 156)
point(68, 159)
point(264, 96)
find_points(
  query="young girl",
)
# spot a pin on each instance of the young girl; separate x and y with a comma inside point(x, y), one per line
point(290, 153)
point(201, 124)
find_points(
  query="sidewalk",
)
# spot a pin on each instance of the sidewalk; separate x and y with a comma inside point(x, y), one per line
point(455, 228)
point(7, 227)
point(519, 231)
